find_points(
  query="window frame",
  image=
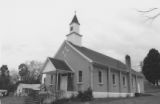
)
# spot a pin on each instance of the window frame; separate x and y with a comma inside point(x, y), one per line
point(124, 81)
point(51, 79)
point(100, 77)
point(114, 79)
point(71, 28)
point(80, 76)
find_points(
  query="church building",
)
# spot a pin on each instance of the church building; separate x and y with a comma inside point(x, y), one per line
point(75, 68)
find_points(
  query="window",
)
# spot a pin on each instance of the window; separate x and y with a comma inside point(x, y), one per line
point(71, 28)
point(100, 76)
point(114, 79)
point(51, 79)
point(133, 82)
point(124, 81)
point(80, 76)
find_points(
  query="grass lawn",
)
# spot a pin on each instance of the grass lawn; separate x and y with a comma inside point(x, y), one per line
point(134, 100)
point(138, 100)
point(12, 100)
point(96, 101)
point(20, 100)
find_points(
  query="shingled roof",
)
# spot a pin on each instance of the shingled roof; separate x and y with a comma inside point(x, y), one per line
point(59, 64)
point(100, 59)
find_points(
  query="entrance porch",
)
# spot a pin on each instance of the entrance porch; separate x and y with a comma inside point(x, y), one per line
point(59, 83)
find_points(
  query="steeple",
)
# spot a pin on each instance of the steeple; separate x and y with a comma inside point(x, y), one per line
point(75, 20)
point(74, 36)
point(74, 25)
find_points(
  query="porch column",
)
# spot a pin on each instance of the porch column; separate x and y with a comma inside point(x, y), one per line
point(136, 84)
point(73, 82)
point(109, 80)
point(56, 81)
point(56, 84)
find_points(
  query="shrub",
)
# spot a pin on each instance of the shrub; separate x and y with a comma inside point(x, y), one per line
point(128, 95)
point(142, 94)
point(137, 94)
point(73, 97)
point(86, 95)
point(82, 96)
point(61, 101)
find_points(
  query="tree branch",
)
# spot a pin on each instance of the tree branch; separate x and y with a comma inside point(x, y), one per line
point(146, 14)
point(152, 9)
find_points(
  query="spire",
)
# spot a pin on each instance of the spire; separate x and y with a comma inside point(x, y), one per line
point(74, 35)
point(75, 20)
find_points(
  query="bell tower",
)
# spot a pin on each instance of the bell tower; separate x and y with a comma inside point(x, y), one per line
point(74, 36)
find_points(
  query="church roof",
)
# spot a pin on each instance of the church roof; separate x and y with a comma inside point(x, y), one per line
point(103, 61)
point(75, 20)
point(100, 59)
point(59, 64)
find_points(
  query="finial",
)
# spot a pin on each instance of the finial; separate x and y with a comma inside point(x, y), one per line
point(75, 12)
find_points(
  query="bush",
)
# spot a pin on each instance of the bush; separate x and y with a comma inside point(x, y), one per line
point(137, 94)
point(73, 97)
point(12, 88)
point(128, 95)
point(142, 94)
point(86, 95)
point(61, 101)
point(82, 96)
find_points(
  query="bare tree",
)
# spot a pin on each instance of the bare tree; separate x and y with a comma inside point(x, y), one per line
point(150, 14)
point(145, 11)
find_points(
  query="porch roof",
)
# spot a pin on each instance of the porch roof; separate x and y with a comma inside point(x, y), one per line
point(59, 71)
point(60, 65)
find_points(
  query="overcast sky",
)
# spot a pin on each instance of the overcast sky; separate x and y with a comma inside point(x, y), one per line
point(35, 29)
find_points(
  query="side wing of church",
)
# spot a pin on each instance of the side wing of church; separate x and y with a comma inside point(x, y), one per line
point(76, 68)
